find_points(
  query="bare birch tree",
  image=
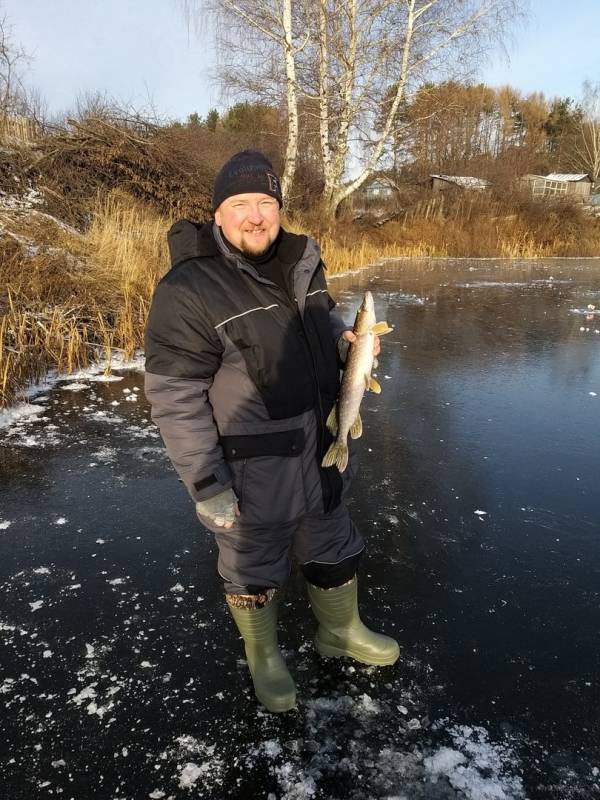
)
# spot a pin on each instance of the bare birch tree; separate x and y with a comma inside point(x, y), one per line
point(356, 61)
point(374, 46)
point(257, 48)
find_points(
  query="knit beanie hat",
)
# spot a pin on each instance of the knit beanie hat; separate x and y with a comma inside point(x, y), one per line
point(248, 171)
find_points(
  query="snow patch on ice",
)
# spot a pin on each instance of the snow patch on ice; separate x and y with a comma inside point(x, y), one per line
point(105, 454)
point(462, 764)
point(209, 771)
point(74, 387)
point(444, 761)
point(190, 774)
point(18, 413)
point(477, 767)
point(297, 785)
point(87, 693)
point(106, 416)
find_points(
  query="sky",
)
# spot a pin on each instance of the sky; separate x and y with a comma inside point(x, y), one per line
point(143, 52)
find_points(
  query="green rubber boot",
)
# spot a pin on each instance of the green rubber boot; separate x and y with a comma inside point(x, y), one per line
point(273, 685)
point(341, 631)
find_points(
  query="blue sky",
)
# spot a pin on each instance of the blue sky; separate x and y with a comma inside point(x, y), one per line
point(554, 51)
point(143, 52)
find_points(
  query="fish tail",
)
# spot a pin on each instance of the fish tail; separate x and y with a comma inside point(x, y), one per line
point(338, 455)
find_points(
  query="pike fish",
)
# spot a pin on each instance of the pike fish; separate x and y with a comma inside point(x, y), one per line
point(345, 418)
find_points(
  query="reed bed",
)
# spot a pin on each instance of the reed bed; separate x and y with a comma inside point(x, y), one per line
point(341, 257)
point(482, 225)
point(68, 298)
point(63, 306)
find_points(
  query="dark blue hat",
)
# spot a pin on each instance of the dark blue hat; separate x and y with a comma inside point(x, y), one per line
point(248, 171)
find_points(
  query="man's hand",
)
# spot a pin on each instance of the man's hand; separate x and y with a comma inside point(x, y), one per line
point(221, 510)
point(350, 336)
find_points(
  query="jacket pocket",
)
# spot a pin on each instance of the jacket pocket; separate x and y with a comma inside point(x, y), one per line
point(272, 490)
point(268, 475)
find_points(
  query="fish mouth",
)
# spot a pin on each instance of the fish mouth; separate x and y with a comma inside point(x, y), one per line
point(367, 303)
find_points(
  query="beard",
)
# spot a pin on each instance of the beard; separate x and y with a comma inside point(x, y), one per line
point(253, 245)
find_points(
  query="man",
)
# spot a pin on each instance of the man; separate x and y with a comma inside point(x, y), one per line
point(242, 371)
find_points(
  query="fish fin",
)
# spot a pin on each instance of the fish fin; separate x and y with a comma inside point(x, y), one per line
point(338, 455)
point(367, 382)
point(332, 423)
point(381, 328)
point(356, 429)
point(374, 386)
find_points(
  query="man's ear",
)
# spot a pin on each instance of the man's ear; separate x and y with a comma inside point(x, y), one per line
point(218, 217)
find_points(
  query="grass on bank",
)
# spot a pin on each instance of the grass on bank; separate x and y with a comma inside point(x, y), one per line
point(68, 297)
point(64, 303)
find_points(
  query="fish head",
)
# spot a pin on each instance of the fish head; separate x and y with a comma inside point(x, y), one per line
point(365, 316)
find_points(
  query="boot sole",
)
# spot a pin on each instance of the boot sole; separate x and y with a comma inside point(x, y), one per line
point(328, 651)
point(278, 708)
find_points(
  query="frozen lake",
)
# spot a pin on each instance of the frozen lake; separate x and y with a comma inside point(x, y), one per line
point(121, 675)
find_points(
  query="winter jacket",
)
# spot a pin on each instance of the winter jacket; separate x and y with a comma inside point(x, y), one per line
point(240, 379)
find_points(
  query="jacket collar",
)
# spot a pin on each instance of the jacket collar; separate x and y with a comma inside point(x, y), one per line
point(199, 240)
point(190, 240)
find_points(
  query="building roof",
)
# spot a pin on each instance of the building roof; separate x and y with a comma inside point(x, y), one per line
point(466, 182)
point(566, 177)
point(380, 178)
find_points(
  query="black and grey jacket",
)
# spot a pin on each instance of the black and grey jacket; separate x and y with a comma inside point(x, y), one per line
point(240, 379)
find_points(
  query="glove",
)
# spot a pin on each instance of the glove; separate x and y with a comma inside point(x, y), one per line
point(219, 510)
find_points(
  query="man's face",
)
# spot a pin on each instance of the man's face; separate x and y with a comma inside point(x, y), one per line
point(249, 221)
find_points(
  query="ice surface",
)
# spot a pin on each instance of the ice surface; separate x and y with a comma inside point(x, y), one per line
point(158, 657)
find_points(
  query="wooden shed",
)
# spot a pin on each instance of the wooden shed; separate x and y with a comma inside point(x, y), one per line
point(560, 183)
point(378, 188)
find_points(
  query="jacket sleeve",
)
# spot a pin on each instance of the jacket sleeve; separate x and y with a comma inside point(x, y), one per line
point(183, 352)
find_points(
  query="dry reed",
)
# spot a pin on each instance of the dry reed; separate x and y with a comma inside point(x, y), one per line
point(64, 306)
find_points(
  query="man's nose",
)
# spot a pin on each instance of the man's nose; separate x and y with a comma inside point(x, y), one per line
point(255, 216)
